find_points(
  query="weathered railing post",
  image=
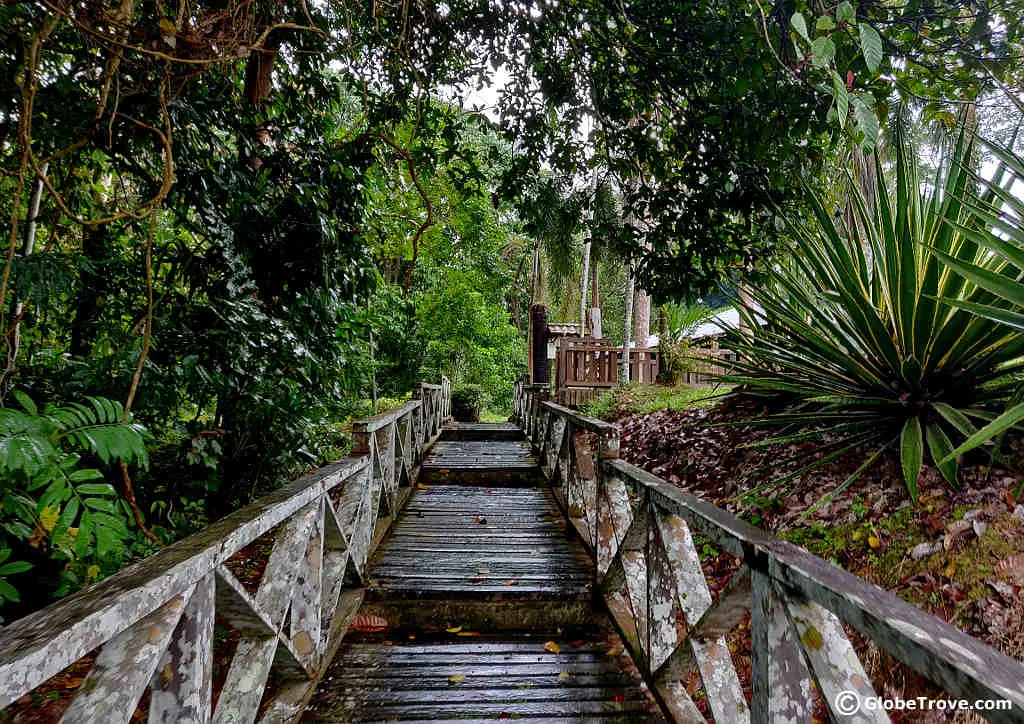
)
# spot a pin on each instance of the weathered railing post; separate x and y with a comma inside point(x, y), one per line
point(648, 569)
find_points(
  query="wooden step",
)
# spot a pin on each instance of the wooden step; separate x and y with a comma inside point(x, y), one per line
point(481, 431)
point(481, 462)
point(469, 542)
point(484, 678)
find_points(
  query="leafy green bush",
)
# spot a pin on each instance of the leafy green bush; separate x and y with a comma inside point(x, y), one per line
point(55, 503)
point(467, 401)
point(855, 336)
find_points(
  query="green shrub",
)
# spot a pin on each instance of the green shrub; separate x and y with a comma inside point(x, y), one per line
point(54, 502)
point(467, 401)
point(855, 336)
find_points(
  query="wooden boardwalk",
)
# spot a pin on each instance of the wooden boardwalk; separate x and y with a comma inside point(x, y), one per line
point(488, 600)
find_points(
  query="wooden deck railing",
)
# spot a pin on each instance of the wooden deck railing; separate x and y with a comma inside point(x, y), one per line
point(707, 364)
point(640, 529)
point(152, 624)
point(586, 367)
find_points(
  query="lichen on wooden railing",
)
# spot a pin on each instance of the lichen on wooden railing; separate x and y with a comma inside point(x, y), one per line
point(152, 624)
point(638, 530)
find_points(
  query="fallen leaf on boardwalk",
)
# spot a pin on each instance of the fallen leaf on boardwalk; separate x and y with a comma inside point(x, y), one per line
point(368, 624)
point(454, 629)
point(488, 570)
point(468, 633)
point(480, 519)
point(456, 678)
point(552, 647)
point(421, 486)
point(564, 676)
point(476, 579)
point(511, 582)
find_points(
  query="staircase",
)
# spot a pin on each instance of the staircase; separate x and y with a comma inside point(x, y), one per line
point(487, 597)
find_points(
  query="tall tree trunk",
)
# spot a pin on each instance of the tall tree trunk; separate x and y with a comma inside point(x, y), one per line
point(534, 274)
point(595, 302)
point(583, 288)
point(628, 324)
point(94, 285)
point(18, 305)
point(243, 458)
point(641, 318)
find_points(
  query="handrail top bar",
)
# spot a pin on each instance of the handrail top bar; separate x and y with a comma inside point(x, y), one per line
point(941, 648)
point(383, 419)
point(66, 630)
point(428, 386)
point(586, 422)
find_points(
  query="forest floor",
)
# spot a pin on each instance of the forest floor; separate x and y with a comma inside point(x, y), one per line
point(957, 554)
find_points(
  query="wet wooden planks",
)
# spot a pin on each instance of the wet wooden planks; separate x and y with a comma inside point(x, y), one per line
point(499, 677)
point(494, 543)
point(481, 462)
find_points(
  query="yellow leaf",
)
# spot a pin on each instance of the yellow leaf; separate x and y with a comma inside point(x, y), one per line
point(421, 486)
point(454, 629)
point(613, 652)
point(73, 533)
point(456, 678)
point(564, 676)
point(48, 518)
point(874, 542)
point(552, 647)
point(92, 571)
point(167, 27)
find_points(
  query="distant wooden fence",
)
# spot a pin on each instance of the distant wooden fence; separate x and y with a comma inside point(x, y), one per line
point(586, 367)
point(707, 364)
point(637, 528)
point(153, 623)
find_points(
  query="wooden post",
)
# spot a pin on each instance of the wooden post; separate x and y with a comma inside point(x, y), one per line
point(540, 368)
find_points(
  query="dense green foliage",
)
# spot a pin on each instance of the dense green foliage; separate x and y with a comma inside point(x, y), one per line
point(244, 220)
point(53, 497)
point(871, 337)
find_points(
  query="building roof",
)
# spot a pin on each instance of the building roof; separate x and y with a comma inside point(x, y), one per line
point(720, 322)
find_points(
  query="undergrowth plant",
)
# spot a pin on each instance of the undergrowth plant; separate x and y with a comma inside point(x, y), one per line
point(870, 335)
point(54, 501)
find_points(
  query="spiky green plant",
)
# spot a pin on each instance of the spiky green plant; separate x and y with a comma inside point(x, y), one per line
point(854, 332)
point(999, 212)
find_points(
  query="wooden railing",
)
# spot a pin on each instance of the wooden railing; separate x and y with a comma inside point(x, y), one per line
point(586, 367)
point(707, 364)
point(638, 529)
point(152, 624)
